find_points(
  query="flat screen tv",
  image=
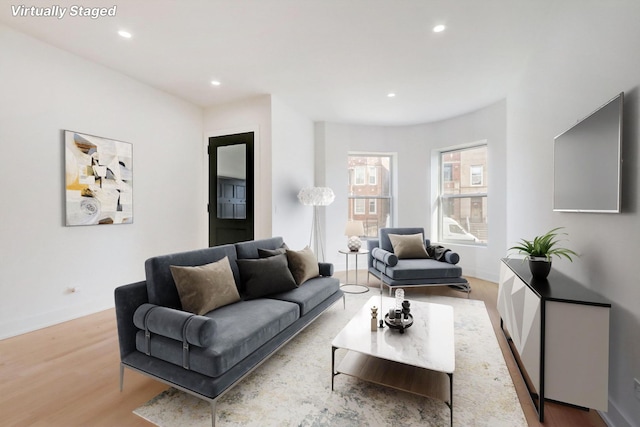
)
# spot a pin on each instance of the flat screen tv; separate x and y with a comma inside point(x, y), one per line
point(587, 161)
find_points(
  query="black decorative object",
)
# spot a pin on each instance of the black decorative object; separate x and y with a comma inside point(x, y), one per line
point(400, 319)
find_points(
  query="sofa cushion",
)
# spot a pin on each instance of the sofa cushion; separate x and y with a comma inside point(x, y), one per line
point(249, 249)
point(205, 287)
point(265, 276)
point(241, 329)
point(176, 324)
point(314, 292)
point(266, 253)
point(160, 284)
point(422, 269)
point(303, 265)
point(407, 246)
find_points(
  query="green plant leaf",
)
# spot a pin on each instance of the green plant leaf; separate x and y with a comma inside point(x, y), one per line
point(544, 245)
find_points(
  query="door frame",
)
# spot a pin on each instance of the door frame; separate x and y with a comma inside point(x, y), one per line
point(256, 175)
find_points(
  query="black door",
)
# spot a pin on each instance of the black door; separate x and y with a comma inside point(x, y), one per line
point(231, 188)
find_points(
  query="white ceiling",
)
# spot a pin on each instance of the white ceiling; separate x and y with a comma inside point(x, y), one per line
point(332, 60)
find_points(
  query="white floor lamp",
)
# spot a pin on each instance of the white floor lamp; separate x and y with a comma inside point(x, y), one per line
point(316, 196)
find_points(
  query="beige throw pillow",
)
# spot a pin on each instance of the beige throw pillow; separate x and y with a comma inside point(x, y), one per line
point(205, 287)
point(303, 265)
point(407, 246)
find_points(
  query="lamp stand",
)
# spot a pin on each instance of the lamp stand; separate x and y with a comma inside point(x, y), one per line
point(316, 236)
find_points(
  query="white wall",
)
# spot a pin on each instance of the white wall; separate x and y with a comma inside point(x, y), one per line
point(45, 90)
point(587, 56)
point(293, 169)
point(413, 147)
point(487, 124)
point(283, 162)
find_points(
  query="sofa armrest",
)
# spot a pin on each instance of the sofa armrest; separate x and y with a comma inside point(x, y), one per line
point(451, 257)
point(371, 245)
point(127, 299)
point(176, 324)
point(388, 258)
point(442, 254)
point(326, 269)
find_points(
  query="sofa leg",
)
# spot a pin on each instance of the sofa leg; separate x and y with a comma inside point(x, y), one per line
point(213, 413)
point(121, 376)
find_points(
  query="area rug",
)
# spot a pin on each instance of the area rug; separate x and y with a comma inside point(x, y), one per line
point(293, 388)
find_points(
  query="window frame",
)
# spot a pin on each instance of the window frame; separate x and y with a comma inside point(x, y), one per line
point(387, 199)
point(442, 198)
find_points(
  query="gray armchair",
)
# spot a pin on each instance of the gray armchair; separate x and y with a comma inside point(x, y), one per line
point(401, 271)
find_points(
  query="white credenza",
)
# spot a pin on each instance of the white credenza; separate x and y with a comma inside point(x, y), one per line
point(558, 331)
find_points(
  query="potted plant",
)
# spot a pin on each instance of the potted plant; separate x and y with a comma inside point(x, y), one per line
point(540, 250)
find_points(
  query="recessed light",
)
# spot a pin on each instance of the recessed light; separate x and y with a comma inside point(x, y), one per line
point(215, 83)
point(439, 28)
point(391, 95)
point(125, 34)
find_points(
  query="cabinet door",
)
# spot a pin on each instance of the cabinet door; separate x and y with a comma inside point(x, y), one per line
point(520, 310)
point(577, 354)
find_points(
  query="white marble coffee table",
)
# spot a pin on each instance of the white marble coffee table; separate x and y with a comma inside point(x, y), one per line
point(414, 361)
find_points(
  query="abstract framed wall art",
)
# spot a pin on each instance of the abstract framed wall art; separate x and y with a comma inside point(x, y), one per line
point(98, 180)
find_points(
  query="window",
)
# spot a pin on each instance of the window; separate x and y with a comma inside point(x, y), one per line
point(372, 206)
point(369, 191)
point(359, 175)
point(446, 172)
point(462, 198)
point(373, 175)
point(476, 175)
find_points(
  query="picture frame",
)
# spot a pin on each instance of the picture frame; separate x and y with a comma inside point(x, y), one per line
point(98, 180)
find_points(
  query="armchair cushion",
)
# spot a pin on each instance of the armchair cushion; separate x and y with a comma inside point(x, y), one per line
point(385, 242)
point(421, 269)
point(443, 254)
point(408, 246)
point(386, 257)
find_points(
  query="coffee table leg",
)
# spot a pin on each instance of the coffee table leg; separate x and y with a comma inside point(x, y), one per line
point(333, 365)
point(451, 396)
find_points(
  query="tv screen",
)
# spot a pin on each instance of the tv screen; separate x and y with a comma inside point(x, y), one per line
point(587, 162)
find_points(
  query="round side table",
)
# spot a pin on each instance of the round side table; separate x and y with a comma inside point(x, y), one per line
point(347, 253)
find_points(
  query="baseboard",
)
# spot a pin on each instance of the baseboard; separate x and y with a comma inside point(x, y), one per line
point(614, 418)
point(50, 318)
point(482, 275)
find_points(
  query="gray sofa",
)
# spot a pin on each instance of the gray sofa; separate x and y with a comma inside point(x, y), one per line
point(394, 272)
point(205, 355)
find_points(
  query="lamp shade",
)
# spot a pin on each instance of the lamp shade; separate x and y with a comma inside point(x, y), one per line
point(354, 228)
point(316, 196)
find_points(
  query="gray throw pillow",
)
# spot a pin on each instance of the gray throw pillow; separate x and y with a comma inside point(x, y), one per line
point(407, 246)
point(303, 265)
point(206, 287)
point(266, 253)
point(265, 276)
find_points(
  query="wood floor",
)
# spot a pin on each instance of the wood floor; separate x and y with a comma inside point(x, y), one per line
point(68, 374)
